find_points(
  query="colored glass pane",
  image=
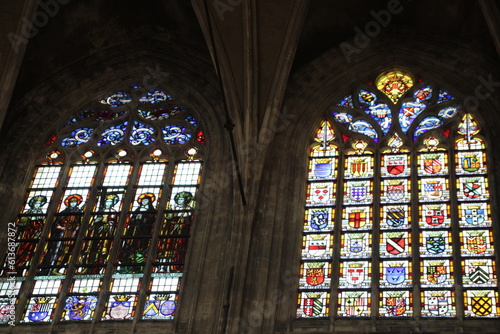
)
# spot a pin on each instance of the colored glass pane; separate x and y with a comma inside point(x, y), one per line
point(359, 166)
point(436, 273)
point(175, 134)
point(474, 215)
point(435, 243)
point(313, 304)
point(477, 243)
point(444, 96)
point(357, 218)
point(395, 216)
point(395, 303)
point(434, 189)
point(116, 99)
point(449, 112)
point(77, 137)
point(355, 245)
point(395, 191)
point(355, 274)
point(113, 135)
point(358, 192)
point(395, 274)
point(317, 246)
point(434, 215)
point(427, 124)
point(346, 102)
point(395, 165)
point(142, 134)
point(155, 96)
point(320, 219)
point(364, 128)
point(423, 94)
point(479, 272)
point(342, 117)
point(394, 84)
point(395, 244)
point(381, 113)
point(315, 275)
point(409, 111)
point(354, 304)
point(481, 303)
point(439, 303)
point(432, 164)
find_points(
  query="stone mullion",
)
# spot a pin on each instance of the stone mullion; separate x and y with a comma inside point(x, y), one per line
point(337, 228)
point(455, 230)
point(415, 231)
point(377, 180)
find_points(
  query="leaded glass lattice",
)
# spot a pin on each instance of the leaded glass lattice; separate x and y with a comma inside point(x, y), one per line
point(400, 204)
point(90, 218)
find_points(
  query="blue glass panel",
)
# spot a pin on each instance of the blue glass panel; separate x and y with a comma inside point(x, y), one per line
point(78, 137)
point(367, 97)
point(175, 134)
point(142, 134)
point(343, 117)
point(443, 96)
point(191, 120)
point(449, 112)
point(346, 102)
point(117, 99)
point(113, 135)
point(365, 128)
point(155, 96)
point(427, 124)
point(409, 111)
point(381, 114)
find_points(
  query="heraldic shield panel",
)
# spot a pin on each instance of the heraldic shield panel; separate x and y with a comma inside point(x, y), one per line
point(438, 303)
point(398, 177)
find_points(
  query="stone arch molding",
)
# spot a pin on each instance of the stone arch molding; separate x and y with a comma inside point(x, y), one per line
point(153, 64)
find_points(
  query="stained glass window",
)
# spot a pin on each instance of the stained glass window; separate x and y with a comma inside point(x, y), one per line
point(104, 235)
point(397, 200)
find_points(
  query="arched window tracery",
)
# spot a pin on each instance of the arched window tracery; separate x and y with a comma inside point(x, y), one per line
point(108, 214)
point(409, 232)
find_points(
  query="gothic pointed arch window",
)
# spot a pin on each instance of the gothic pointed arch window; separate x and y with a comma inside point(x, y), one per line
point(398, 218)
point(106, 219)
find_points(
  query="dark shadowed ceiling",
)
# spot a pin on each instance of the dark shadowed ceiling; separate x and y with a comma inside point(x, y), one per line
point(83, 28)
